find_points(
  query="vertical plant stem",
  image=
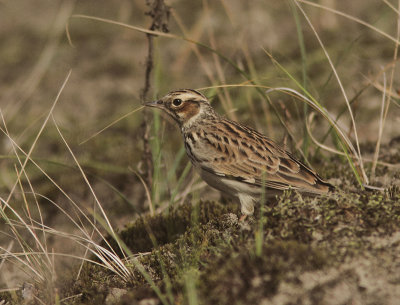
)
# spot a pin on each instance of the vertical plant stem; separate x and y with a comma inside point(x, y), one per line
point(303, 52)
point(159, 12)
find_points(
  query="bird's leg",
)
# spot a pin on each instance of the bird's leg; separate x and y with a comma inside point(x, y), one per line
point(247, 205)
point(242, 218)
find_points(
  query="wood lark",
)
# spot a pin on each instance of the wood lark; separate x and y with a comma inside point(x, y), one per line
point(234, 158)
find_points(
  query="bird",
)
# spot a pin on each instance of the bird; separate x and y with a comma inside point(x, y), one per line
point(233, 158)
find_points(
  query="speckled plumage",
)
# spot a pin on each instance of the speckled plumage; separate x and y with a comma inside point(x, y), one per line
point(234, 158)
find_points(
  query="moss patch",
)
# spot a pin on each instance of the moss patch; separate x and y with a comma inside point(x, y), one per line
point(168, 227)
point(245, 278)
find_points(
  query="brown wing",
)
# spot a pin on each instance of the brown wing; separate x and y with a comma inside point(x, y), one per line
point(232, 150)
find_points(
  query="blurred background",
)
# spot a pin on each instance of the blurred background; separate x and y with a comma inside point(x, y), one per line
point(108, 65)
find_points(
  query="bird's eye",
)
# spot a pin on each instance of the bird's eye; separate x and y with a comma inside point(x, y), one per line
point(177, 102)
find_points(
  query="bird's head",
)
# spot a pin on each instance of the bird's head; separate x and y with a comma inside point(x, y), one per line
point(185, 106)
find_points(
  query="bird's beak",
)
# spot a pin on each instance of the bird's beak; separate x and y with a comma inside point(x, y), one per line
point(156, 104)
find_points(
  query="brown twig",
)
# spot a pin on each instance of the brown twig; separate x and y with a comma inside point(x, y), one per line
point(159, 12)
